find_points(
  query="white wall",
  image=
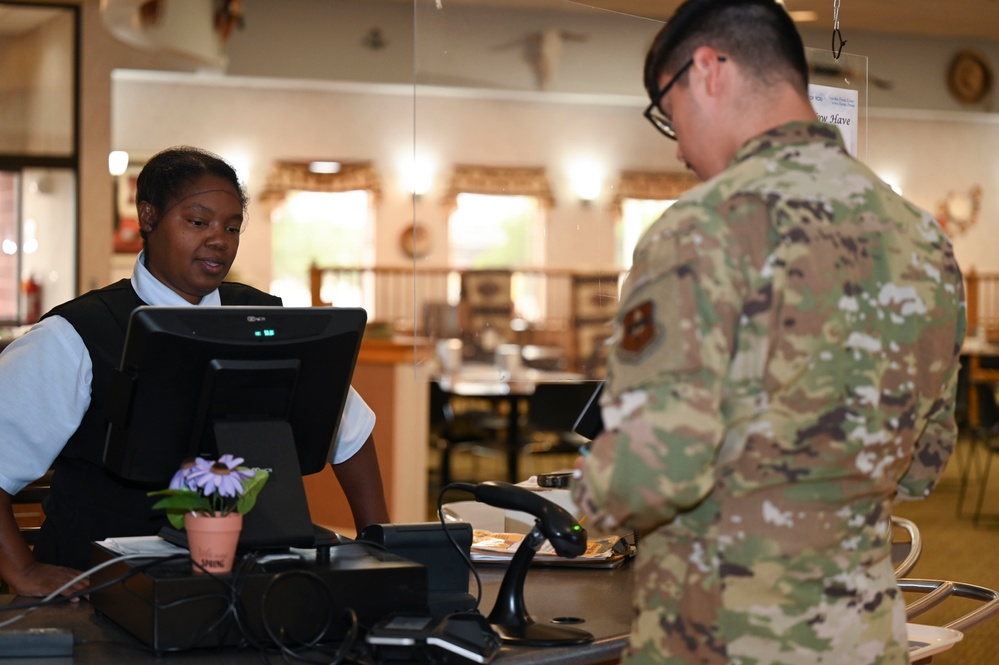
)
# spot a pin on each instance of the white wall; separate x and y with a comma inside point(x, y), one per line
point(931, 154)
point(325, 95)
point(928, 154)
point(354, 122)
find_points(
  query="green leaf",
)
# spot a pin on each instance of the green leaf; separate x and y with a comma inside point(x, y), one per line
point(176, 520)
point(177, 503)
point(251, 490)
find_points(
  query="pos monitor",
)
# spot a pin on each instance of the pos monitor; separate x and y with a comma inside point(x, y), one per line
point(264, 383)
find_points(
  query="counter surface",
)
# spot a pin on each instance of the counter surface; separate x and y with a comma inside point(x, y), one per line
point(600, 597)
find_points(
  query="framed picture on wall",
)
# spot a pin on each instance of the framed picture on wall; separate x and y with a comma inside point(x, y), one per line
point(126, 238)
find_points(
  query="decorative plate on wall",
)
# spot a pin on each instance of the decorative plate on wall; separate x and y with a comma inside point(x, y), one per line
point(969, 78)
point(415, 241)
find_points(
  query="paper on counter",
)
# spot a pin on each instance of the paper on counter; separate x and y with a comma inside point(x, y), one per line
point(491, 546)
point(154, 546)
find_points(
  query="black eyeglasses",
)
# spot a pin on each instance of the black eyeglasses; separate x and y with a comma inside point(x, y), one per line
point(655, 114)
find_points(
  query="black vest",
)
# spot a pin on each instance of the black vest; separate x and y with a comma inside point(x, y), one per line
point(86, 502)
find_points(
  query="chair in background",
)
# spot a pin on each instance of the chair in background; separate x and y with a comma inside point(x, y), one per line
point(934, 593)
point(926, 640)
point(29, 513)
point(28, 508)
point(452, 433)
point(552, 411)
point(975, 465)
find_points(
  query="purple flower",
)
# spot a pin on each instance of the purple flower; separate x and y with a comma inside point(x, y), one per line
point(189, 467)
point(234, 467)
point(222, 477)
point(207, 487)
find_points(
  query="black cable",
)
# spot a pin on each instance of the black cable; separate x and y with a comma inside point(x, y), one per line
point(314, 644)
point(57, 600)
point(468, 487)
point(343, 651)
point(133, 570)
point(228, 594)
point(239, 612)
point(279, 642)
point(227, 611)
point(349, 639)
point(234, 609)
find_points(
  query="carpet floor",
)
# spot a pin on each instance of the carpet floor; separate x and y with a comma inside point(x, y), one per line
point(957, 550)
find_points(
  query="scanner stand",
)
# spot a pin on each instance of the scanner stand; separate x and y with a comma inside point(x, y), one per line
point(509, 617)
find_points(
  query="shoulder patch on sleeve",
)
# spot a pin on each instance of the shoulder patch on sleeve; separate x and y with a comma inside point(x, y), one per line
point(639, 328)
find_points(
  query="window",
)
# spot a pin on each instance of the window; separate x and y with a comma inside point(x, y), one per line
point(10, 237)
point(496, 231)
point(327, 228)
point(37, 206)
point(488, 231)
point(636, 216)
point(641, 198)
point(39, 77)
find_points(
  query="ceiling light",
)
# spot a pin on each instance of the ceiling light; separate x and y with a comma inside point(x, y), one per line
point(586, 177)
point(117, 162)
point(324, 167)
point(417, 173)
point(803, 16)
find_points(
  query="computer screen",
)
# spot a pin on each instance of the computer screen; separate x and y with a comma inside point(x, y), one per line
point(264, 383)
point(590, 422)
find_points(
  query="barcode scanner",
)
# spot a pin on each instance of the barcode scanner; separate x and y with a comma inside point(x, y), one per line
point(509, 617)
point(555, 522)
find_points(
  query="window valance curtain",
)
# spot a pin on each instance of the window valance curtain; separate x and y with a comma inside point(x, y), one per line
point(296, 176)
point(498, 180)
point(658, 185)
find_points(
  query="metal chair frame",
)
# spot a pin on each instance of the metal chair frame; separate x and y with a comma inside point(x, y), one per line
point(913, 547)
point(937, 591)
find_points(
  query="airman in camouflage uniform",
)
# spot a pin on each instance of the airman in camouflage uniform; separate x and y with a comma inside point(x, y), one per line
point(784, 367)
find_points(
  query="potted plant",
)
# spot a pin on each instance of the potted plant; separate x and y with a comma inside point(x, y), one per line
point(208, 499)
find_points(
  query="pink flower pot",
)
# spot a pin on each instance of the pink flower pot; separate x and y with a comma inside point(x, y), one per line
point(212, 540)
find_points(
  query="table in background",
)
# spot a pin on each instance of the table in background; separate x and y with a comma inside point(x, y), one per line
point(981, 366)
point(490, 383)
point(601, 597)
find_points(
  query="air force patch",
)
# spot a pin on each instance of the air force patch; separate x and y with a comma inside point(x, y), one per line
point(639, 329)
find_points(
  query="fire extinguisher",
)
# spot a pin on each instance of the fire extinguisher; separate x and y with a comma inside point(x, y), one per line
point(31, 293)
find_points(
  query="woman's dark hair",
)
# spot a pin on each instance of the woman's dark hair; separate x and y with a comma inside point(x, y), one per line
point(757, 34)
point(168, 172)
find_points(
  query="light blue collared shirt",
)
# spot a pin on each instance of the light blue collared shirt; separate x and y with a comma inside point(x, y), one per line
point(46, 375)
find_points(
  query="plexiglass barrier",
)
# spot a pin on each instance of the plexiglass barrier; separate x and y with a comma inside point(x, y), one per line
point(534, 173)
point(532, 168)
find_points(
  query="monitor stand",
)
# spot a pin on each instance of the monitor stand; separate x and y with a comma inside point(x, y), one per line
point(280, 518)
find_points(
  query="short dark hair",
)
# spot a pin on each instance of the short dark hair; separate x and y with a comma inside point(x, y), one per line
point(166, 174)
point(757, 34)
